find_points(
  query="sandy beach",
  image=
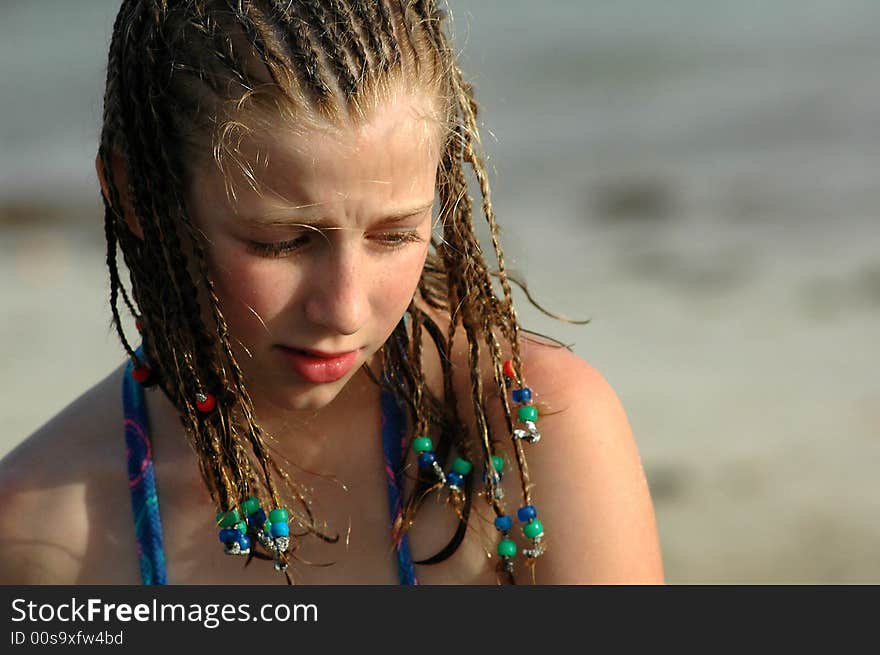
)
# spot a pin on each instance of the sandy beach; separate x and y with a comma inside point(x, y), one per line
point(704, 191)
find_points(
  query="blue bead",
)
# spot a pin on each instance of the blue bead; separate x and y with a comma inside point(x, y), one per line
point(503, 523)
point(517, 395)
point(498, 476)
point(244, 542)
point(229, 535)
point(426, 459)
point(280, 529)
point(526, 394)
point(257, 519)
point(526, 514)
point(454, 479)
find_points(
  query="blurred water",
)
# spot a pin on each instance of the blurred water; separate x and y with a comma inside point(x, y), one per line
point(699, 178)
point(586, 89)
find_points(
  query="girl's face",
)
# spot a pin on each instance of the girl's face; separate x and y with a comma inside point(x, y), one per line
point(328, 256)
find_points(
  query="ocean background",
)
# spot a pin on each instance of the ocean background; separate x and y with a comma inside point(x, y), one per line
point(698, 178)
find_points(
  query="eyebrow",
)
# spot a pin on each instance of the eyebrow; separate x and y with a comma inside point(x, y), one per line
point(320, 222)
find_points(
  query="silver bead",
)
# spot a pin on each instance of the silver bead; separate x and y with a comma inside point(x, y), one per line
point(282, 543)
point(264, 539)
point(201, 397)
point(533, 432)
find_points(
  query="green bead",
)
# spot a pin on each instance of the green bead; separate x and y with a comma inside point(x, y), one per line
point(228, 519)
point(461, 466)
point(422, 444)
point(250, 506)
point(528, 413)
point(242, 527)
point(506, 548)
point(498, 462)
point(278, 515)
point(533, 528)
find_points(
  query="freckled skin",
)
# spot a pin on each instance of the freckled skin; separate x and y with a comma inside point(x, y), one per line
point(347, 287)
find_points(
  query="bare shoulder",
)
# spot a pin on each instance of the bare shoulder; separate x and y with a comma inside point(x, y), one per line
point(54, 487)
point(589, 486)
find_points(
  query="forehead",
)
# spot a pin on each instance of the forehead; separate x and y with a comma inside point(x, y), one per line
point(390, 156)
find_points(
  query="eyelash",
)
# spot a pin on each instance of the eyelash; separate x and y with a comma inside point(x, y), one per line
point(396, 240)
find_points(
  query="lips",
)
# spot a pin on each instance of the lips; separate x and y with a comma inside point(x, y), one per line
point(318, 366)
point(321, 353)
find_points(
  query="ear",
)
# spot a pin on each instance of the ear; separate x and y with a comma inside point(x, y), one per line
point(121, 179)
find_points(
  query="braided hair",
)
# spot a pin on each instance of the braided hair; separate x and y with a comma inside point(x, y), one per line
point(185, 72)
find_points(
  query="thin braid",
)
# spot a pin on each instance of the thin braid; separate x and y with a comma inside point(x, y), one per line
point(305, 52)
point(110, 220)
point(388, 32)
point(509, 324)
point(404, 7)
point(162, 235)
point(328, 34)
point(345, 20)
point(362, 13)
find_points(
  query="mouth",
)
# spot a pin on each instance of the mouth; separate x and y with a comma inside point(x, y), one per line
point(319, 353)
point(318, 366)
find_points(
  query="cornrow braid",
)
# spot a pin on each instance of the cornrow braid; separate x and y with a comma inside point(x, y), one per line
point(361, 11)
point(329, 37)
point(351, 39)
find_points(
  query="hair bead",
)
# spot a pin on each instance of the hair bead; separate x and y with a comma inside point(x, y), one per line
point(426, 460)
point(533, 529)
point(503, 523)
point(455, 480)
point(506, 548)
point(422, 444)
point(521, 396)
point(229, 535)
point(279, 515)
point(461, 466)
point(527, 513)
point(141, 374)
point(280, 530)
point(205, 402)
point(250, 506)
point(527, 413)
point(228, 519)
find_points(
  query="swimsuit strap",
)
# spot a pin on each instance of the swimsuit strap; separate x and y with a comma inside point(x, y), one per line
point(142, 481)
point(145, 501)
point(393, 439)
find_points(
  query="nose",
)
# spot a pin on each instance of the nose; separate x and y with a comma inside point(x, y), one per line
point(338, 298)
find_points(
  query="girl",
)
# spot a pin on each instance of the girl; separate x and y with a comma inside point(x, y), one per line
point(331, 387)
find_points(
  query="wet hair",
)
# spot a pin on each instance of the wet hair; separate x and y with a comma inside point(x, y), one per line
point(192, 78)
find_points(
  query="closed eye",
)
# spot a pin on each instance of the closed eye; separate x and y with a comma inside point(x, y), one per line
point(388, 240)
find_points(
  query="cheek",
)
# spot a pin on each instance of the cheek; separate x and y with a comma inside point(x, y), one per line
point(251, 293)
point(398, 283)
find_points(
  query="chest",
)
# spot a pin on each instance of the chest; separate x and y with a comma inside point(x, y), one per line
point(350, 504)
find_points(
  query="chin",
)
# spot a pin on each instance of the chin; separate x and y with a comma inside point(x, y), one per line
point(302, 396)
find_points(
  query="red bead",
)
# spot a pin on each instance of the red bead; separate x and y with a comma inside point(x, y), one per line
point(139, 325)
point(141, 373)
point(508, 369)
point(206, 405)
